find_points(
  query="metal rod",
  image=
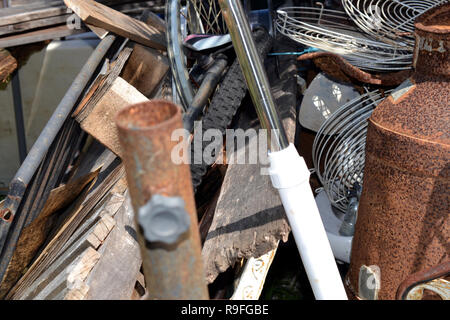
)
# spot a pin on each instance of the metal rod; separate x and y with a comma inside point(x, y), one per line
point(63, 109)
point(254, 73)
point(18, 114)
point(173, 269)
point(207, 87)
point(19, 184)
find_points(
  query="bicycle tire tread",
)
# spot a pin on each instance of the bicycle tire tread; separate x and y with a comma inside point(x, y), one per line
point(226, 102)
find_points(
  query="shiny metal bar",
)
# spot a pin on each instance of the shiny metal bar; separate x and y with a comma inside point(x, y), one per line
point(254, 73)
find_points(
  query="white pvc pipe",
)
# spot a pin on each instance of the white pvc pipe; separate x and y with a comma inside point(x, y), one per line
point(290, 176)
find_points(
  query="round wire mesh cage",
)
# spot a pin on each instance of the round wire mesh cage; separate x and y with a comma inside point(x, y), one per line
point(339, 147)
point(333, 31)
point(391, 21)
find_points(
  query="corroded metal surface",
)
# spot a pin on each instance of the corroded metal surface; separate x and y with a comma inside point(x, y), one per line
point(385, 79)
point(145, 129)
point(403, 222)
point(412, 287)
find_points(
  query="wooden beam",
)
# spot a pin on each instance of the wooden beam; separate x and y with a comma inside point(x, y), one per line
point(38, 35)
point(94, 13)
point(30, 12)
point(33, 24)
point(100, 123)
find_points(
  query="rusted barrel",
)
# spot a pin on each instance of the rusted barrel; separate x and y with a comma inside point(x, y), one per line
point(163, 201)
point(403, 222)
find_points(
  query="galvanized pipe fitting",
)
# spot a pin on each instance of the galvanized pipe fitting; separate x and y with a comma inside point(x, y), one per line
point(173, 265)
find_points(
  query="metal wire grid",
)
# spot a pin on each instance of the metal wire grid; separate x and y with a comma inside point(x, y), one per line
point(339, 147)
point(391, 21)
point(210, 15)
point(332, 31)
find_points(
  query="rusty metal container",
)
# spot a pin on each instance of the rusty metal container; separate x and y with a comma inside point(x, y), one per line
point(403, 223)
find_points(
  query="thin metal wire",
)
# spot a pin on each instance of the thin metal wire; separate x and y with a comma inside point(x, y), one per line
point(333, 31)
point(338, 149)
point(210, 15)
point(390, 21)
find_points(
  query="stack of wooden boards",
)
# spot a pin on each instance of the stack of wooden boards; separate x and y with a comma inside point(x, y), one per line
point(79, 238)
point(50, 19)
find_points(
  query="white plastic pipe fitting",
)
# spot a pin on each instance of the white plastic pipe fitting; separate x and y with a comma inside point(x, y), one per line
point(290, 175)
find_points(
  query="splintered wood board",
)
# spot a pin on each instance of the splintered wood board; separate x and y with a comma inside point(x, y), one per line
point(100, 123)
point(33, 236)
point(96, 14)
point(108, 176)
point(145, 69)
point(249, 218)
point(114, 275)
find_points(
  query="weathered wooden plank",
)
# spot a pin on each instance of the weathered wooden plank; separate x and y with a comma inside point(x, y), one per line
point(249, 219)
point(29, 12)
point(33, 24)
point(108, 209)
point(114, 276)
point(101, 86)
point(69, 282)
point(93, 238)
point(145, 69)
point(106, 179)
point(100, 123)
point(109, 19)
point(38, 35)
point(33, 235)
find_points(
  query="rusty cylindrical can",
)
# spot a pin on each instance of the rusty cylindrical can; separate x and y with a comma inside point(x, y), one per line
point(172, 270)
point(403, 218)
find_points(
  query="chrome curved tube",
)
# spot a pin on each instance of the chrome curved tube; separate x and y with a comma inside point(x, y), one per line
point(176, 54)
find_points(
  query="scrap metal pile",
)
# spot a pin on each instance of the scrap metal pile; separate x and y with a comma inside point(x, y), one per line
point(199, 135)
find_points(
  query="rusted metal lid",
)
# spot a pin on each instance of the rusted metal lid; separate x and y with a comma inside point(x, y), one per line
point(419, 108)
point(436, 20)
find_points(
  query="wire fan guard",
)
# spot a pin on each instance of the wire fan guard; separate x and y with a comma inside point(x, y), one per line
point(339, 147)
point(391, 21)
point(333, 31)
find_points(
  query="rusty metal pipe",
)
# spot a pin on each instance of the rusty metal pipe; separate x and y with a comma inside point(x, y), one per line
point(173, 268)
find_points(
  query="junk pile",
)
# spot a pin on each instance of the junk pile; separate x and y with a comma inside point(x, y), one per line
point(199, 135)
